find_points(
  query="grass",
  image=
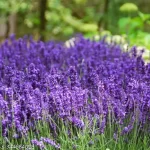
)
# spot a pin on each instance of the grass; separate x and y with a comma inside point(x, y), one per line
point(78, 139)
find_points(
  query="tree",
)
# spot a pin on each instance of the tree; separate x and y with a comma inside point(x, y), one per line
point(43, 8)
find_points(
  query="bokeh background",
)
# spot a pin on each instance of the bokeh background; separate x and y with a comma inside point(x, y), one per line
point(62, 19)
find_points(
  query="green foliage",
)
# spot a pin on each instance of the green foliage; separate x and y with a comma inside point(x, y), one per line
point(80, 2)
point(133, 26)
point(92, 18)
point(144, 17)
point(129, 8)
point(14, 6)
point(61, 21)
point(80, 139)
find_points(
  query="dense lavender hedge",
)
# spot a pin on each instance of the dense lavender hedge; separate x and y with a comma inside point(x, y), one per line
point(90, 79)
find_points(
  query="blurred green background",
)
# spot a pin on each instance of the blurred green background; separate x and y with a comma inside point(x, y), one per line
point(126, 20)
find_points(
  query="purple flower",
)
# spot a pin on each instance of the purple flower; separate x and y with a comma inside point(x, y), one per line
point(77, 122)
point(93, 80)
point(38, 143)
point(51, 142)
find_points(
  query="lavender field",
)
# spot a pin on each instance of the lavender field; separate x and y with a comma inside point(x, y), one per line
point(89, 96)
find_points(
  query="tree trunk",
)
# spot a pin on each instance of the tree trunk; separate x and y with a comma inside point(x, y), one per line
point(106, 13)
point(42, 7)
point(7, 26)
point(12, 22)
point(103, 20)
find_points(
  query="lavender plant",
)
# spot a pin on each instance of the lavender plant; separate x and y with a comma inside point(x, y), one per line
point(91, 94)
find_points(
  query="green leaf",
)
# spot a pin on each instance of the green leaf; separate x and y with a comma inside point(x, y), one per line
point(68, 31)
point(80, 2)
point(147, 39)
point(123, 23)
point(144, 17)
point(129, 7)
point(87, 27)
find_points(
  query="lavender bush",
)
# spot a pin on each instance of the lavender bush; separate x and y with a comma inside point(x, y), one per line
point(86, 96)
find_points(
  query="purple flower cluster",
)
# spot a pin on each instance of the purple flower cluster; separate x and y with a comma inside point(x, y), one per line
point(38, 143)
point(43, 140)
point(85, 80)
point(50, 142)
